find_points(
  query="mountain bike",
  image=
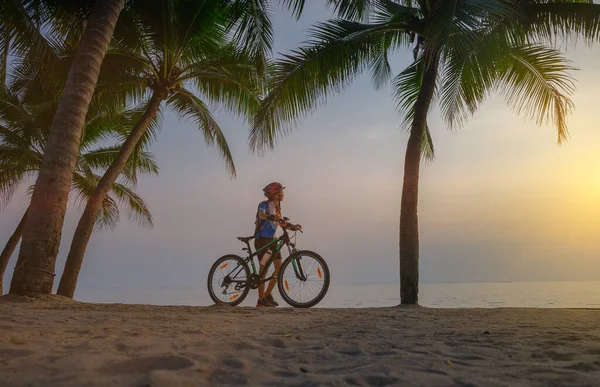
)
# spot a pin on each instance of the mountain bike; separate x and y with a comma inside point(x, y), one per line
point(303, 278)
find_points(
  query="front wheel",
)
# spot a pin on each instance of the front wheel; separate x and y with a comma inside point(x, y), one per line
point(228, 280)
point(303, 279)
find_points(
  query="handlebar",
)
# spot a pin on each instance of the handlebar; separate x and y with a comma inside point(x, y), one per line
point(285, 220)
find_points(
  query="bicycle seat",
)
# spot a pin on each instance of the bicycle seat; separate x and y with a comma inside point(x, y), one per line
point(246, 239)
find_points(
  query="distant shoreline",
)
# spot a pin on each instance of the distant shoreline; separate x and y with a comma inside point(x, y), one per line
point(562, 294)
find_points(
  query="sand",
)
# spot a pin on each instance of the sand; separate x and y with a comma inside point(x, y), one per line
point(58, 342)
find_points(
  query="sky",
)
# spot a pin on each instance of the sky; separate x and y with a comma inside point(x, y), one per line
point(501, 202)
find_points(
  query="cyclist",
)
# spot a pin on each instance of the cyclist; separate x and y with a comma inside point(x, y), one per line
point(268, 218)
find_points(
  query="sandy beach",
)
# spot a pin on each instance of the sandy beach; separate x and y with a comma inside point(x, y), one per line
point(59, 342)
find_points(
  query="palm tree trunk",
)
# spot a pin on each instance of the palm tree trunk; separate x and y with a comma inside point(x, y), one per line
point(10, 247)
point(409, 221)
point(68, 281)
point(4, 48)
point(43, 229)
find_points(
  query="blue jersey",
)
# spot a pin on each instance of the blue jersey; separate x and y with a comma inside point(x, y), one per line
point(266, 228)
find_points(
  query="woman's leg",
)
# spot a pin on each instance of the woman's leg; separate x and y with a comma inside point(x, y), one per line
point(261, 286)
point(259, 243)
point(273, 280)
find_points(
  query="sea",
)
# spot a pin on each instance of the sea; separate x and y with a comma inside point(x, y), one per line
point(563, 294)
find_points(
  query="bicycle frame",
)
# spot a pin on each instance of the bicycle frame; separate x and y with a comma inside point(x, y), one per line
point(284, 239)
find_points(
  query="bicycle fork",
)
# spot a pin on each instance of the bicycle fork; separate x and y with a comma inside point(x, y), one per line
point(296, 263)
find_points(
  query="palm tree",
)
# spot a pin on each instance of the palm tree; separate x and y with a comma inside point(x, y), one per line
point(180, 57)
point(24, 130)
point(43, 228)
point(463, 50)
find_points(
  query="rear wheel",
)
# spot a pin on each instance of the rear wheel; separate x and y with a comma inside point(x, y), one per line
point(228, 280)
point(303, 279)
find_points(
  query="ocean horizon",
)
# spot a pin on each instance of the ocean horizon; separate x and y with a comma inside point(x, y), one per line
point(538, 294)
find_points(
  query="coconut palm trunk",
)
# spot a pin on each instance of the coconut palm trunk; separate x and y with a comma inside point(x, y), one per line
point(10, 247)
point(43, 228)
point(4, 48)
point(409, 221)
point(85, 227)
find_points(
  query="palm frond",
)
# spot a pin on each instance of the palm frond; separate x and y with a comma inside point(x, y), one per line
point(132, 117)
point(103, 157)
point(381, 71)
point(476, 12)
point(69, 18)
point(250, 21)
point(83, 185)
point(120, 127)
point(27, 158)
point(108, 124)
point(230, 81)
point(31, 79)
point(295, 6)
point(199, 28)
point(121, 196)
point(28, 40)
point(389, 10)
point(188, 106)
point(427, 149)
point(11, 176)
point(122, 59)
point(140, 162)
point(353, 9)
point(406, 91)
point(13, 138)
point(108, 215)
point(303, 80)
point(134, 204)
point(471, 73)
point(556, 19)
point(125, 79)
point(536, 83)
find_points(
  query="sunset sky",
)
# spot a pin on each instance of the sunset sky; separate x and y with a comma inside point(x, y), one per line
point(501, 202)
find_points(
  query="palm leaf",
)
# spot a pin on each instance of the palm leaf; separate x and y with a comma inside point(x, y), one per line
point(553, 19)
point(407, 85)
point(103, 157)
point(11, 176)
point(352, 9)
point(295, 6)
point(108, 215)
point(188, 106)
point(132, 117)
point(406, 90)
point(250, 21)
point(536, 83)
point(137, 209)
point(27, 40)
point(303, 80)
point(83, 185)
point(121, 196)
point(229, 81)
point(427, 149)
point(471, 73)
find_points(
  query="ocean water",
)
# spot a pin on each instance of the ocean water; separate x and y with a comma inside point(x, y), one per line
point(452, 295)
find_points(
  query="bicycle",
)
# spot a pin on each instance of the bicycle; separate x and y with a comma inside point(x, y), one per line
point(292, 284)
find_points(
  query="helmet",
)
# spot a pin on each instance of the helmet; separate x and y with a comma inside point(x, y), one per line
point(272, 189)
